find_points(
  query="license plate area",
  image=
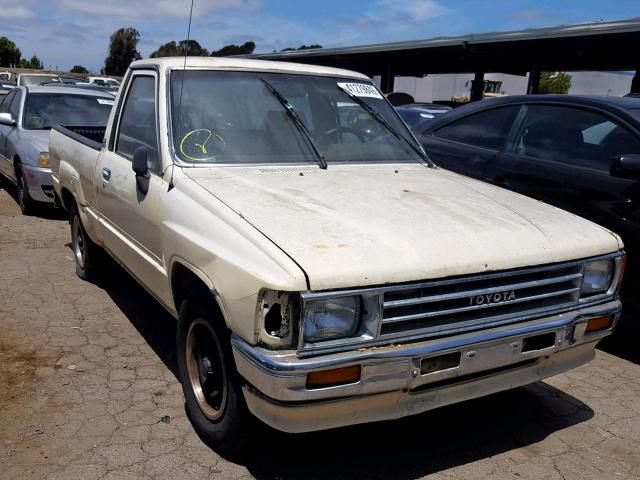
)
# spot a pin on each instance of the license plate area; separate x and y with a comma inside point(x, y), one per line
point(489, 357)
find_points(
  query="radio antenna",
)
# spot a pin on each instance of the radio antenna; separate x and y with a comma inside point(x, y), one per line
point(184, 71)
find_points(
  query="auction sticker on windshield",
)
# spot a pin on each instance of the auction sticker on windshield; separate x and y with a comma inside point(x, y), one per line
point(361, 89)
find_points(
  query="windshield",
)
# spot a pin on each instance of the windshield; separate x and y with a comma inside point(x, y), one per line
point(31, 80)
point(233, 117)
point(44, 110)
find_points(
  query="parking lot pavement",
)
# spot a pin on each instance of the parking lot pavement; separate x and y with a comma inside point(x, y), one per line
point(88, 390)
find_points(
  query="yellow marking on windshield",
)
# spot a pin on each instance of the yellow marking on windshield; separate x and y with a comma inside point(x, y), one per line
point(189, 140)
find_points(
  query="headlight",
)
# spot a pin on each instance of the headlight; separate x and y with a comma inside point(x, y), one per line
point(43, 159)
point(597, 277)
point(331, 318)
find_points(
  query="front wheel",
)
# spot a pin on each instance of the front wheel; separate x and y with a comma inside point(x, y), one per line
point(26, 203)
point(211, 385)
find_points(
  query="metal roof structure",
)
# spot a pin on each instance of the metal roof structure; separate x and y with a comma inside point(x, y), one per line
point(606, 45)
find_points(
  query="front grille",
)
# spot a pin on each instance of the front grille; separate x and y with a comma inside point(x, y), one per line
point(479, 301)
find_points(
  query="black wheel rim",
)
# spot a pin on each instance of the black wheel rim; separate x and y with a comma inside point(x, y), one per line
point(205, 366)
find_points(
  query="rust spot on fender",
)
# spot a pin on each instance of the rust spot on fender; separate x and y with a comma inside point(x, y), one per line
point(324, 248)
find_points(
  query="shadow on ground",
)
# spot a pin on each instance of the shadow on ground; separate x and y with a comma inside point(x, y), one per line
point(417, 446)
point(148, 317)
point(401, 449)
point(45, 211)
point(623, 343)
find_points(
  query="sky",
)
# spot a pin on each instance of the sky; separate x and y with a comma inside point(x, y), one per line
point(63, 33)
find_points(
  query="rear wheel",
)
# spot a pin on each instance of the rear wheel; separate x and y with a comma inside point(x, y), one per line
point(26, 203)
point(211, 385)
point(85, 252)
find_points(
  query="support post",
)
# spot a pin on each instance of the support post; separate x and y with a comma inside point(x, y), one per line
point(533, 86)
point(386, 81)
point(477, 87)
point(635, 83)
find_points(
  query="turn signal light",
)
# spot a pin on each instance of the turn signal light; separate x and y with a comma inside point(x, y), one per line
point(599, 323)
point(335, 377)
point(43, 159)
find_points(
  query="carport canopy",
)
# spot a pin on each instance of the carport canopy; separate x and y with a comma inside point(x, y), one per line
point(600, 46)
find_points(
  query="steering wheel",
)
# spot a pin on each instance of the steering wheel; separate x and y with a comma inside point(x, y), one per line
point(334, 131)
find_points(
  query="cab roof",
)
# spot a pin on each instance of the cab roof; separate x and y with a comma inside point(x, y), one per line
point(67, 91)
point(232, 63)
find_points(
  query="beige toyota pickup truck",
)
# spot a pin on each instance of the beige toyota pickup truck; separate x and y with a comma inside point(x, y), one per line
point(322, 270)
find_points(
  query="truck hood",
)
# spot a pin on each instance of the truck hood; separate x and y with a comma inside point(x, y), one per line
point(351, 226)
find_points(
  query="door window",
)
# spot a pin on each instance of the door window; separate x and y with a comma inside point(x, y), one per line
point(138, 121)
point(573, 136)
point(488, 129)
point(14, 108)
point(4, 108)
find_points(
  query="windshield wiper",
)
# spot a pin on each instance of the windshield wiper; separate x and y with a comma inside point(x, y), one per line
point(297, 122)
point(374, 113)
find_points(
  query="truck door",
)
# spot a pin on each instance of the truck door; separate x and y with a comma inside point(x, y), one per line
point(131, 222)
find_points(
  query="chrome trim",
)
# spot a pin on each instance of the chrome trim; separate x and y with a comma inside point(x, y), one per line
point(615, 280)
point(301, 417)
point(374, 318)
point(477, 307)
point(281, 374)
point(451, 296)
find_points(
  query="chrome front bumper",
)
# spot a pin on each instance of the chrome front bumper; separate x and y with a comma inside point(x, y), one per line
point(392, 384)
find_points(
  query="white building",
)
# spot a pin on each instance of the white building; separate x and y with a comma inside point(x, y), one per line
point(445, 86)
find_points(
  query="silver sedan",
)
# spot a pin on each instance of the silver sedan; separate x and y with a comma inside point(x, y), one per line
point(26, 116)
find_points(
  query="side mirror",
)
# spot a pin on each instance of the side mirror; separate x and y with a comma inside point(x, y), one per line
point(626, 166)
point(7, 119)
point(140, 165)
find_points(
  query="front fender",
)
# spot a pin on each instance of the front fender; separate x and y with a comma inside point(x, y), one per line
point(177, 260)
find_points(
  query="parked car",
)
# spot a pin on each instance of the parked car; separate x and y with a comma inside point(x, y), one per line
point(107, 81)
point(6, 87)
point(414, 115)
point(71, 79)
point(32, 79)
point(322, 277)
point(86, 86)
point(581, 154)
point(5, 76)
point(26, 116)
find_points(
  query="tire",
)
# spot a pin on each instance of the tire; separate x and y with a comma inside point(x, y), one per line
point(210, 383)
point(85, 252)
point(26, 203)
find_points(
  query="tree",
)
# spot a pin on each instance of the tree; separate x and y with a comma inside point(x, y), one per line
point(33, 63)
point(9, 53)
point(554, 82)
point(122, 51)
point(173, 49)
point(244, 49)
point(301, 47)
point(79, 69)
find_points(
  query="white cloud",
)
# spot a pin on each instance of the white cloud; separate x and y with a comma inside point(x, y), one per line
point(155, 8)
point(10, 11)
point(414, 10)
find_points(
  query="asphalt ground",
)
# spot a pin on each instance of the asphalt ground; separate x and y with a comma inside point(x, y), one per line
point(88, 389)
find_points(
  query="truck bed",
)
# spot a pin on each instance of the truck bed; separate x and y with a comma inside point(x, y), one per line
point(90, 136)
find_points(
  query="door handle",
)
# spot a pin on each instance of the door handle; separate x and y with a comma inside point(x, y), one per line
point(106, 174)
